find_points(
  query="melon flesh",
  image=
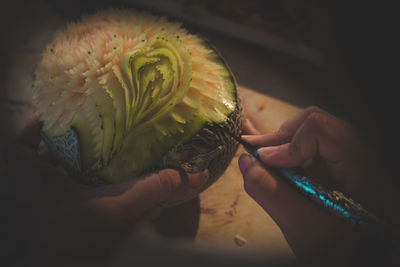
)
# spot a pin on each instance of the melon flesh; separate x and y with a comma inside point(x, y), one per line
point(132, 86)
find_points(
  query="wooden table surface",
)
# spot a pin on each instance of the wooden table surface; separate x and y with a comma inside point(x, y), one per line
point(228, 216)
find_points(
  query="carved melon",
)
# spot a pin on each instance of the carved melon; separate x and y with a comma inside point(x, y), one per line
point(122, 93)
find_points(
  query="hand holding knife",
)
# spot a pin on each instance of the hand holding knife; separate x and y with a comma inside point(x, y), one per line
point(334, 201)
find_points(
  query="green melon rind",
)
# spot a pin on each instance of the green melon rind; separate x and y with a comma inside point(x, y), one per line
point(225, 71)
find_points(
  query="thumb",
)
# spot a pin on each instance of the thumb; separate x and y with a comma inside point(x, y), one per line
point(286, 155)
point(308, 142)
point(303, 223)
point(165, 187)
point(30, 135)
point(262, 185)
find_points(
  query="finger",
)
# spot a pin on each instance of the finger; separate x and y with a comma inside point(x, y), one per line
point(269, 139)
point(248, 128)
point(245, 161)
point(260, 184)
point(255, 124)
point(303, 147)
point(30, 135)
point(319, 135)
point(305, 225)
point(287, 130)
point(165, 186)
point(281, 156)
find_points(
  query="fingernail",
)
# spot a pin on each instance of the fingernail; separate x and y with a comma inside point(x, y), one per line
point(248, 122)
point(245, 137)
point(244, 162)
point(265, 151)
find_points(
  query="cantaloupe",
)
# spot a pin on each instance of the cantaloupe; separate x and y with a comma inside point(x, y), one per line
point(122, 93)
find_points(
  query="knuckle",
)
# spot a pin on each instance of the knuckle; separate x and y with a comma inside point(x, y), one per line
point(294, 149)
point(313, 109)
point(284, 133)
point(314, 121)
